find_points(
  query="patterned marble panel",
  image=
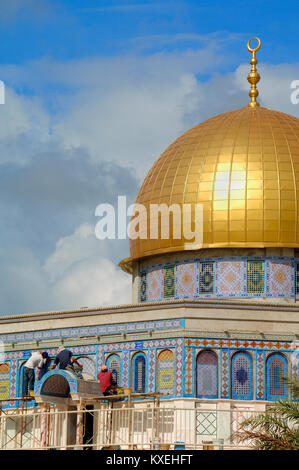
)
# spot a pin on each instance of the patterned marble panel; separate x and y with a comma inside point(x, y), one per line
point(230, 280)
point(280, 278)
point(125, 369)
point(186, 280)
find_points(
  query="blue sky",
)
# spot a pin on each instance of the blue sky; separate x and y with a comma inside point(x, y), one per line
point(95, 91)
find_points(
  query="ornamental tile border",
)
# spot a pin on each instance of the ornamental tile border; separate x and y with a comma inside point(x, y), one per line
point(92, 331)
point(286, 273)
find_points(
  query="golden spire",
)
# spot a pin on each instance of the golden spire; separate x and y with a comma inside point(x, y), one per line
point(253, 77)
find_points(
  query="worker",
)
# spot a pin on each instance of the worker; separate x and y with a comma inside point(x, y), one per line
point(65, 360)
point(45, 366)
point(106, 381)
point(35, 360)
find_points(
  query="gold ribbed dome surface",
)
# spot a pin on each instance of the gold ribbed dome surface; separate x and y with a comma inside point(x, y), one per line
point(243, 166)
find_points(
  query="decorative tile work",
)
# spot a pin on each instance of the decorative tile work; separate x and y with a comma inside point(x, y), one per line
point(179, 366)
point(225, 382)
point(186, 280)
point(260, 374)
point(206, 277)
point(239, 344)
point(241, 376)
point(276, 370)
point(154, 285)
point(166, 372)
point(169, 281)
point(206, 423)
point(280, 280)
point(92, 331)
point(207, 374)
point(143, 287)
point(188, 370)
point(151, 370)
point(255, 277)
point(230, 278)
point(125, 374)
point(297, 278)
point(88, 364)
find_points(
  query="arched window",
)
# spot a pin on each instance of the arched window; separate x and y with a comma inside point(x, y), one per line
point(88, 365)
point(165, 372)
point(207, 374)
point(242, 376)
point(276, 369)
point(139, 373)
point(113, 364)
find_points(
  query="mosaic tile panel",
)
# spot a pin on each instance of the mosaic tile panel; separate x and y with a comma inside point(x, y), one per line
point(241, 376)
point(280, 279)
point(206, 277)
point(166, 372)
point(179, 366)
point(154, 285)
point(88, 364)
point(225, 382)
point(275, 372)
point(151, 370)
point(260, 374)
point(230, 279)
point(125, 369)
point(297, 278)
point(143, 287)
point(188, 371)
point(186, 280)
point(169, 281)
point(255, 277)
point(207, 374)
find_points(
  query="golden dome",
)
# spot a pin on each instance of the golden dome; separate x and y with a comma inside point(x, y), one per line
point(243, 166)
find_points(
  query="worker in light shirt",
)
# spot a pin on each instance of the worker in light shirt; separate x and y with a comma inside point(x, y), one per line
point(35, 360)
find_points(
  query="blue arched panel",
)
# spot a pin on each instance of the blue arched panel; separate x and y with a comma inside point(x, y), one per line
point(207, 375)
point(276, 369)
point(242, 387)
point(139, 374)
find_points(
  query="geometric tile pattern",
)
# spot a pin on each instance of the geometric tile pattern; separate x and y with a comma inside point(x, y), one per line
point(151, 370)
point(279, 278)
point(169, 281)
point(222, 277)
point(260, 374)
point(275, 373)
point(88, 331)
point(230, 278)
point(206, 277)
point(225, 374)
point(207, 374)
point(142, 287)
point(186, 280)
point(125, 369)
point(165, 372)
point(255, 277)
point(206, 423)
point(188, 371)
point(297, 278)
point(154, 285)
point(88, 365)
point(241, 376)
